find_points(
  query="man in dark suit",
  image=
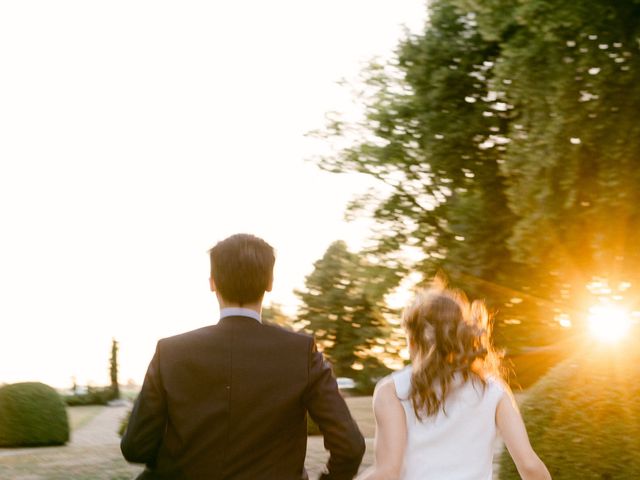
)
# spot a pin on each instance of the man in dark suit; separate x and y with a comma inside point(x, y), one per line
point(229, 401)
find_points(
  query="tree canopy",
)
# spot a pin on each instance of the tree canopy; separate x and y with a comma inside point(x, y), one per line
point(343, 307)
point(506, 134)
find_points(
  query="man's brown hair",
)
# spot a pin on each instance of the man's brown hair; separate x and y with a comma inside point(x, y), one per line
point(242, 268)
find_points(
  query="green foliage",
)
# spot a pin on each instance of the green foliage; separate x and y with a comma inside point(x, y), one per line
point(582, 417)
point(32, 414)
point(123, 424)
point(272, 314)
point(94, 396)
point(571, 72)
point(343, 307)
point(506, 134)
point(427, 135)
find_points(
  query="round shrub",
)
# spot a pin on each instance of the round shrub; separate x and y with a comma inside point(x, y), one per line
point(32, 414)
point(94, 396)
point(582, 417)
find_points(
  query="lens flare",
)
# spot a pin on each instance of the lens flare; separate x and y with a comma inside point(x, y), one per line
point(608, 323)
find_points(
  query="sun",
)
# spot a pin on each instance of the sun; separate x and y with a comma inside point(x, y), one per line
point(608, 323)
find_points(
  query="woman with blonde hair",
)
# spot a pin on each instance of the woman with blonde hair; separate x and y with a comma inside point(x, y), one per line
point(438, 418)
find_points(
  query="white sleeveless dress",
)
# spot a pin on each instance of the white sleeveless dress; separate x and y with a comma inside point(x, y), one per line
point(458, 444)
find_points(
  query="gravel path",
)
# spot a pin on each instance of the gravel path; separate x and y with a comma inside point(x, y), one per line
point(102, 429)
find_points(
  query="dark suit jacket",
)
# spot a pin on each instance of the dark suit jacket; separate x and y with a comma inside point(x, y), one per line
point(229, 402)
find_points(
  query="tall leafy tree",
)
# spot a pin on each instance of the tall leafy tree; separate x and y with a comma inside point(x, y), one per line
point(506, 134)
point(433, 134)
point(342, 305)
point(272, 314)
point(571, 75)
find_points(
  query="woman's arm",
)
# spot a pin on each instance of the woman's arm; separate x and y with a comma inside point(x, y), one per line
point(515, 437)
point(391, 434)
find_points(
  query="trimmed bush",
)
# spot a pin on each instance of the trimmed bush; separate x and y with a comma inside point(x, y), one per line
point(583, 416)
point(94, 396)
point(32, 414)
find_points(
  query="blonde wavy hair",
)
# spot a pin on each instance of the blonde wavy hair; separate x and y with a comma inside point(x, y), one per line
point(447, 336)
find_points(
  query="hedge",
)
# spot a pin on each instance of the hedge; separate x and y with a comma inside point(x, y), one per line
point(32, 414)
point(583, 417)
point(94, 396)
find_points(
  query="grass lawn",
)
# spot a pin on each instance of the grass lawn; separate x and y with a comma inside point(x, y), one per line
point(527, 368)
point(80, 416)
point(67, 463)
point(92, 459)
point(582, 417)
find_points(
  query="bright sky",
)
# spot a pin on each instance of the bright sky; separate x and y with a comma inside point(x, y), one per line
point(136, 134)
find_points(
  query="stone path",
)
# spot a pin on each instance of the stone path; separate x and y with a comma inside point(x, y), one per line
point(102, 429)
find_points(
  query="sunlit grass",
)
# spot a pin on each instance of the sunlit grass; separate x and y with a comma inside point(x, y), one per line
point(582, 417)
point(80, 416)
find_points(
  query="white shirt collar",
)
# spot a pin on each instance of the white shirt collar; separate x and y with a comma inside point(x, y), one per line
point(239, 312)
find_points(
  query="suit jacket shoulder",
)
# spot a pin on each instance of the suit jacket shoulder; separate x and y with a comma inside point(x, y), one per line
point(226, 400)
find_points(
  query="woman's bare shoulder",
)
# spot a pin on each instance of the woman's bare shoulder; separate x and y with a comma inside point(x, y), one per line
point(385, 391)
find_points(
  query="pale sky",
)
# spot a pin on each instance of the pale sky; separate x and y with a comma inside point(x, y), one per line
point(135, 135)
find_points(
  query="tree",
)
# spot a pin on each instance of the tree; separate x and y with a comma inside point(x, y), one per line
point(273, 314)
point(432, 134)
point(571, 73)
point(506, 134)
point(113, 369)
point(343, 306)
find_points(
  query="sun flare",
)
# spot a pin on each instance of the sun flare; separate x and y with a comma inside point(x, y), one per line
point(608, 323)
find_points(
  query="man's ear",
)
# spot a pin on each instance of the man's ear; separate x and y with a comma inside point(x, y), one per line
point(270, 284)
point(212, 284)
